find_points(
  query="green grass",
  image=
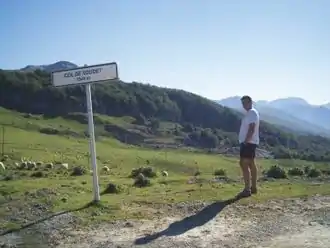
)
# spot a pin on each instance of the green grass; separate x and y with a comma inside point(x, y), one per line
point(131, 202)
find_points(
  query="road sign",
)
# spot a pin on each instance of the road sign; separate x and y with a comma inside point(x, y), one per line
point(85, 75)
point(88, 75)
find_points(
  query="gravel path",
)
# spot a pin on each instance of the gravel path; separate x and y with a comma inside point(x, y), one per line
point(288, 223)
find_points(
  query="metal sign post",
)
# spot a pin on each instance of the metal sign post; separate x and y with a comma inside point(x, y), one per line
point(92, 146)
point(88, 75)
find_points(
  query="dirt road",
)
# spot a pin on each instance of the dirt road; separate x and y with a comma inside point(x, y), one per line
point(289, 223)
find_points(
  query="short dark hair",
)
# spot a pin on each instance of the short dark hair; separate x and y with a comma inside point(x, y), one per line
point(246, 98)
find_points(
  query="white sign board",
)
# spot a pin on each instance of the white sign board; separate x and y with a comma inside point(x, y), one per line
point(85, 75)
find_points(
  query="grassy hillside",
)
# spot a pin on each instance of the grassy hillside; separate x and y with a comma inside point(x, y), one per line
point(28, 194)
point(154, 114)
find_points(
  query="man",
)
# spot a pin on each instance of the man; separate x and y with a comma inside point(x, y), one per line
point(249, 140)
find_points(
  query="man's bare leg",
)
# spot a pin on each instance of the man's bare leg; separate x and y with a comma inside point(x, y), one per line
point(244, 163)
point(254, 176)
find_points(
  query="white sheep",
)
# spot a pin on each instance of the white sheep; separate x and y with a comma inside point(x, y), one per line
point(62, 166)
point(23, 165)
point(2, 166)
point(164, 173)
point(31, 165)
point(65, 166)
point(49, 166)
point(105, 168)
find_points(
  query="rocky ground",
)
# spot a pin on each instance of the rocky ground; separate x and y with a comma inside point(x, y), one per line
point(290, 223)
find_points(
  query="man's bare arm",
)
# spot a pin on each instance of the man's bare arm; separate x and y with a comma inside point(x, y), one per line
point(250, 132)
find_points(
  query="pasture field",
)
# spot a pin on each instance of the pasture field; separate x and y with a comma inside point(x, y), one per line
point(54, 190)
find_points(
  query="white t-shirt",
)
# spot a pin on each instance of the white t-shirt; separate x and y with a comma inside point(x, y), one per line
point(251, 116)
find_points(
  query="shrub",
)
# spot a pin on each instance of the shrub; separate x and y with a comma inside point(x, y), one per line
point(220, 172)
point(276, 172)
point(326, 172)
point(37, 174)
point(314, 173)
point(197, 173)
point(78, 171)
point(4, 158)
point(296, 172)
point(307, 169)
point(7, 177)
point(146, 171)
point(49, 130)
point(111, 189)
point(142, 181)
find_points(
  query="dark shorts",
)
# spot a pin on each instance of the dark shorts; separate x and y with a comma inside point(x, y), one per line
point(247, 150)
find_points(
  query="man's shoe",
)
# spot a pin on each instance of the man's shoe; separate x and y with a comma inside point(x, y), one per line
point(244, 193)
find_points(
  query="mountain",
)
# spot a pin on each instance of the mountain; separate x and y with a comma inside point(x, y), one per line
point(286, 102)
point(60, 65)
point(301, 109)
point(287, 113)
point(327, 105)
point(197, 121)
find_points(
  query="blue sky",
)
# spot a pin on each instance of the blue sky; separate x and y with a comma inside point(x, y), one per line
point(268, 49)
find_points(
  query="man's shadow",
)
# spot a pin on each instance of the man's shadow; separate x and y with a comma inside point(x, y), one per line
point(188, 223)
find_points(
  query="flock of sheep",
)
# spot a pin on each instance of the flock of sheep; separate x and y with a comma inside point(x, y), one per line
point(30, 165)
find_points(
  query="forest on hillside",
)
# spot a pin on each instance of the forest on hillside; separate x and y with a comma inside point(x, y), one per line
point(206, 123)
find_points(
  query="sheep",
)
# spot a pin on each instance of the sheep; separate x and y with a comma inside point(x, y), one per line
point(105, 168)
point(65, 166)
point(164, 173)
point(23, 165)
point(31, 165)
point(62, 166)
point(2, 166)
point(39, 163)
point(17, 165)
point(49, 166)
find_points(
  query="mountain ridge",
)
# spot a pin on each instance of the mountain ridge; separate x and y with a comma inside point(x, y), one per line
point(196, 121)
point(293, 112)
point(57, 66)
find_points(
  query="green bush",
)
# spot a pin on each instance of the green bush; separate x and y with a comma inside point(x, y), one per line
point(307, 168)
point(141, 181)
point(314, 173)
point(326, 172)
point(296, 171)
point(111, 189)
point(220, 172)
point(37, 174)
point(145, 171)
point(197, 173)
point(78, 171)
point(276, 172)
point(49, 130)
